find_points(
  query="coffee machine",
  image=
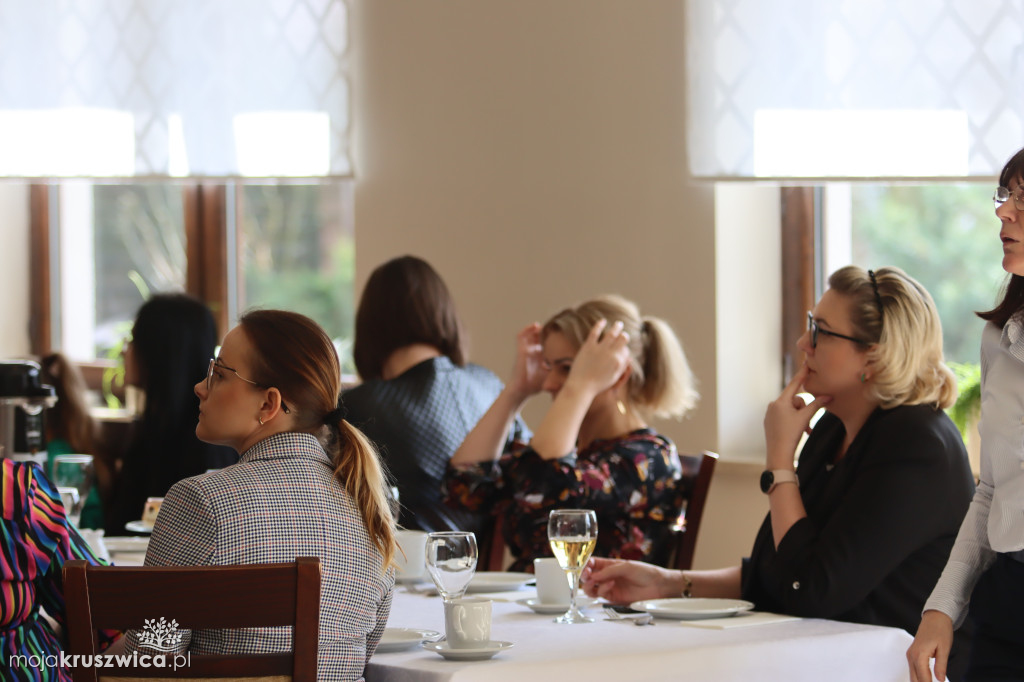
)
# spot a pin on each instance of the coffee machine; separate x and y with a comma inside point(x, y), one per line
point(23, 402)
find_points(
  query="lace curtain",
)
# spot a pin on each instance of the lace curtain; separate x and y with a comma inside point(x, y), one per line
point(884, 88)
point(174, 87)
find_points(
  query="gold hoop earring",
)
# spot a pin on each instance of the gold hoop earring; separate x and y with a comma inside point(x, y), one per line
point(261, 420)
point(622, 408)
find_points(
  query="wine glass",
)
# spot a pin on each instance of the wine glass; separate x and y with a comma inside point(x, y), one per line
point(451, 561)
point(72, 474)
point(573, 535)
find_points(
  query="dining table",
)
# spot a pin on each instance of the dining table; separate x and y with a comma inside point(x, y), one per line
point(747, 647)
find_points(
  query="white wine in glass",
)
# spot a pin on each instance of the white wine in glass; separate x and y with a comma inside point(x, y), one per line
point(573, 535)
point(451, 561)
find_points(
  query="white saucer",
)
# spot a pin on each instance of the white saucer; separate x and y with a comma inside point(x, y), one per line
point(138, 527)
point(126, 543)
point(400, 639)
point(555, 609)
point(480, 654)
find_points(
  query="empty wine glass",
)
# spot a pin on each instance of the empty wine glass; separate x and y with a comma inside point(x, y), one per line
point(573, 535)
point(451, 561)
point(72, 474)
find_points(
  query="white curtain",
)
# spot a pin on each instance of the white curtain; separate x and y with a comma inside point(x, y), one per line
point(174, 87)
point(826, 88)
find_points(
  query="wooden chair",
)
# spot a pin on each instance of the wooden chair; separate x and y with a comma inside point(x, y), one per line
point(256, 595)
point(698, 469)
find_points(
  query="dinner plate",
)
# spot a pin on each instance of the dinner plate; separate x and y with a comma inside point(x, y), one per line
point(138, 527)
point(496, 581)
point(126, 543)
point(400, 639)
point(480, 654)
point(537, 606)
point(693, 608)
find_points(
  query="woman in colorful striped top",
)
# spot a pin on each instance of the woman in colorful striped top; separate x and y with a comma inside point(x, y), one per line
point(35, 541)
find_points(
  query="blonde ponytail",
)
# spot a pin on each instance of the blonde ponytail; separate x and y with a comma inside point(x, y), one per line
point(669, 388)
point(357, 467)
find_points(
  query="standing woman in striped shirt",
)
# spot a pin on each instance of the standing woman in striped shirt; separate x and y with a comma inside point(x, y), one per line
point(985, 572)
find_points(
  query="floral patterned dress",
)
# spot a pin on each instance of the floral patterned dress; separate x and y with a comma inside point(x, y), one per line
point(633, 483)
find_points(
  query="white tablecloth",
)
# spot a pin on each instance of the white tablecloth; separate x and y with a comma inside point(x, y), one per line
point(808, 649)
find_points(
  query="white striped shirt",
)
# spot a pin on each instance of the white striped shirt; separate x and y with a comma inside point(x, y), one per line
point(995, 519)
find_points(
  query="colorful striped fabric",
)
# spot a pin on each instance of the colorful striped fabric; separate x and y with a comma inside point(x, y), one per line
point(35, 541)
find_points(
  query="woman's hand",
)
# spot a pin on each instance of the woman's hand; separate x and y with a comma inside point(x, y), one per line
point(624, 582)
point(601, 360)
point(934, 640)
point(528, 373)
point(787, 419)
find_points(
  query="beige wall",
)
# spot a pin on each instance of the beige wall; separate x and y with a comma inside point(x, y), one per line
point(534, 152)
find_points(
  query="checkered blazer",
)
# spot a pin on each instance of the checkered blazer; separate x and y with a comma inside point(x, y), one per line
point(279, 502)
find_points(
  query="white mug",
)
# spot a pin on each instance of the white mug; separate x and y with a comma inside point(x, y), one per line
point(467, 623)
point(411, 556)
point(552, 581)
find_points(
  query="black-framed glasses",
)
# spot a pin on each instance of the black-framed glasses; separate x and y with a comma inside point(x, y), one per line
point(214, 364)
point(1002, 195)
point(815, 330)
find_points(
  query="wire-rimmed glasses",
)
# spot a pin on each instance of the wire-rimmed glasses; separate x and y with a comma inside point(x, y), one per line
point(217, 364)
point(1002, 195)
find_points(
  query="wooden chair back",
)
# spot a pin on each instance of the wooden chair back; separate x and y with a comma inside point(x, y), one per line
point(697, 469)
point(255, 595)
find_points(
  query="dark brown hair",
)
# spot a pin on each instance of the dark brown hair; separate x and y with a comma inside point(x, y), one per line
point(69, 418)
point(404, 302)
point(295, 355)
point(1013, 290)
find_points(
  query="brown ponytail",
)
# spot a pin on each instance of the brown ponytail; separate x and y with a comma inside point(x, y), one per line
point(358, 468)
point(294, 354)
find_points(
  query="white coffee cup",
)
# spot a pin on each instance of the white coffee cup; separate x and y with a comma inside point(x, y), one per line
point(552, 581)
point(411, 556)
point(467, 623)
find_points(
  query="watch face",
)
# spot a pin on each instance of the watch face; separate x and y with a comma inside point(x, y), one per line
point(767, 478)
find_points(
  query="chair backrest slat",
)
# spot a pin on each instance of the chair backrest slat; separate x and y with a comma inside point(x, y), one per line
point(214, 597)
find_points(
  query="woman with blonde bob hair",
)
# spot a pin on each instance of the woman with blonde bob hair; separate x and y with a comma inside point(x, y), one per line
point(307, 484)
point(861, 529)
point(609, 370)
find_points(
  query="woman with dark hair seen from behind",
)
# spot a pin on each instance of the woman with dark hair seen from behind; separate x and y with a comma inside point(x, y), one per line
point(985, 574)
point(609, 370)
point(172, 341)
point(860, 531)
point(70, 429)
point(308, 483)
point(419, 397)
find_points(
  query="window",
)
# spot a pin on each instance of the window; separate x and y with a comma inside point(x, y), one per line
point(108, 246)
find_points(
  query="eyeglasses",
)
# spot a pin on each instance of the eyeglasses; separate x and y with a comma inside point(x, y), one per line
point(218, 365)
point(815, 330)
point(1002, 195)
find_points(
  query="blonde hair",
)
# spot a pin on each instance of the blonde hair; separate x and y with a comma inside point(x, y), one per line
point(297, 356)
point(904, 327)
point(661, 383)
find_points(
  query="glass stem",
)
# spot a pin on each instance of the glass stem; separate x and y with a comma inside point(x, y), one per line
point(574, 583)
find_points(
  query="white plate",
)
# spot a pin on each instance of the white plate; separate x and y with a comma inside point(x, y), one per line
point(125, 543)
point(694, 608)
point(496, 581)
point(555, 609)
point(411, 579)
point(481, 654)
point(138, 527)
point(400, 639)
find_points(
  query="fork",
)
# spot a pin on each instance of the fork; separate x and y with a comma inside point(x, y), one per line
point(638, 619)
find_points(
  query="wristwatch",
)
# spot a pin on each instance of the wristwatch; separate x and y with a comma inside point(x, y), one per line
point(772, 478)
